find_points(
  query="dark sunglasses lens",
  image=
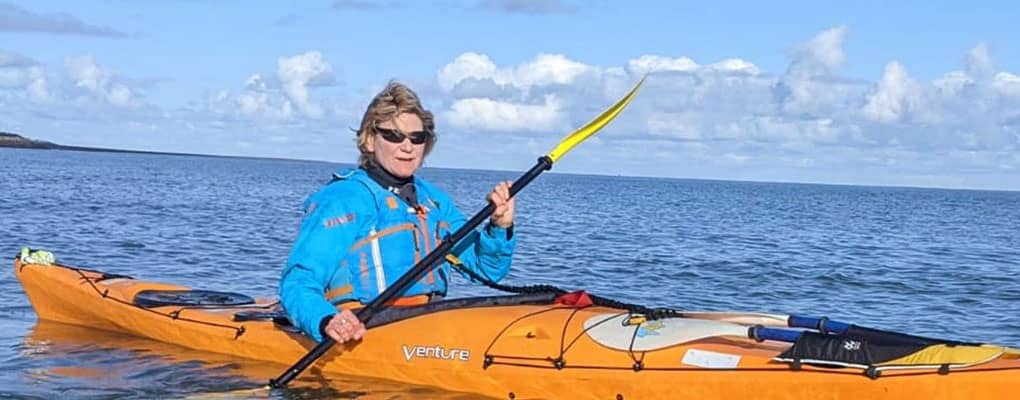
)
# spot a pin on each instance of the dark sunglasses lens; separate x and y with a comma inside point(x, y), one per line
point(393, 136)
point(419, 137)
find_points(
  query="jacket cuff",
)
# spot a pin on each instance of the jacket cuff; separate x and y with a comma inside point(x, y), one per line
point(495, 231)
point(322, 325)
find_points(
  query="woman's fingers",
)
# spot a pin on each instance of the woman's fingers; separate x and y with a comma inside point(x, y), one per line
point(504, 190)
point(345, 327)
point(503, 213)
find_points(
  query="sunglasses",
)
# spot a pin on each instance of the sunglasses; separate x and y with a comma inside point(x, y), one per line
point(394, 136)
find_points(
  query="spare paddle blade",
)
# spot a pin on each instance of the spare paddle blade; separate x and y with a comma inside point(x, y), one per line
point(595, 125)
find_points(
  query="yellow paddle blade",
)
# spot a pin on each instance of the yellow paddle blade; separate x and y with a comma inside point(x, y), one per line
point(595, 125)
point(1007, 352)
point(943, 354)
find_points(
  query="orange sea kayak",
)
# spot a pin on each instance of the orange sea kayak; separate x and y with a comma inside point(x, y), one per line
point(529, 346)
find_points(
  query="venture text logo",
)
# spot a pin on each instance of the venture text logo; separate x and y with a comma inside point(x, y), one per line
point(437, 352)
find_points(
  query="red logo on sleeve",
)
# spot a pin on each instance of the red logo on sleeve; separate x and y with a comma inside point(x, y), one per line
point(335, 222)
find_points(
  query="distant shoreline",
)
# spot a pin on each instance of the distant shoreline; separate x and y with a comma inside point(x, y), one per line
point(13, 140)
point(16, 141)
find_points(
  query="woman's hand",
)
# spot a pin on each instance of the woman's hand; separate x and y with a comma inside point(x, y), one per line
point(503, 216)
point(345, 327)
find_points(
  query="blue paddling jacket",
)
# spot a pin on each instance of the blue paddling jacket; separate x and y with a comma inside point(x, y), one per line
point(357, 238)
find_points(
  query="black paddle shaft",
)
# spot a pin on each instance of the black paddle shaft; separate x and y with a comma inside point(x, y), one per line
point(417, 272)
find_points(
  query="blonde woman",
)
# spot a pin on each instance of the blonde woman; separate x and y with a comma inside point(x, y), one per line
point(370, 225)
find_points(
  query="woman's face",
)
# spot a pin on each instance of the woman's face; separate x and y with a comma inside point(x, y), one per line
point(399, 159)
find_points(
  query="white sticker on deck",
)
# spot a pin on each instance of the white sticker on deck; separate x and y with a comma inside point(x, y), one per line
point(710, 359)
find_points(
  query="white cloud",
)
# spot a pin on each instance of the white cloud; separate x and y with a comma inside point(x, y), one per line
point(493, 115)
point(952, 83)
point(545, 69)
point(972, 109)
point(979, 64)
point(256, 83)
point(820, 56)
point(255, 102)
point(814, 98)
point(895, 95)
point(37, 86)
point(735, 65)
point(683, 126)
point(299, 72)
point(119, 95)
point(653, 63)
point(469, 66)
point(282, 96)
point(98, 82)
point(549, 69)
point(24, 74)
point(1008, 84)
point(810, 86)
point(86, 73)
point(18, 77)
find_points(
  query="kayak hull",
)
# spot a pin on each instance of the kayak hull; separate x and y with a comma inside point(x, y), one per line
point(515, 351)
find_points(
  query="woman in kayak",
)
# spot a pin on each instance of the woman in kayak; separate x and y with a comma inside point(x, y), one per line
point(370, 225)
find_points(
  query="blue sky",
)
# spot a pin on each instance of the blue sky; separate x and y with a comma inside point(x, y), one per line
point(909, 93)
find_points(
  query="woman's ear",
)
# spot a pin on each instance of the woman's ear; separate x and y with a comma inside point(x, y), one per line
point(369, 146)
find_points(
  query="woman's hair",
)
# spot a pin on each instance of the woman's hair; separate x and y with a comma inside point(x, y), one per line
point(396, 98)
